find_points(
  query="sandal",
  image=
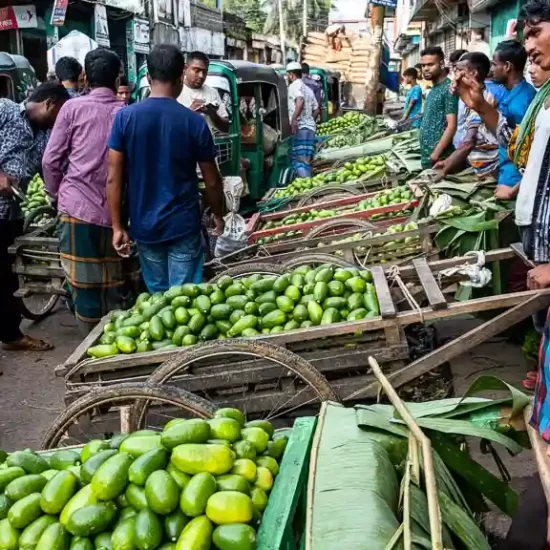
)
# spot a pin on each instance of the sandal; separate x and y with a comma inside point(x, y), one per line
point(28, 343)
point(531, 380)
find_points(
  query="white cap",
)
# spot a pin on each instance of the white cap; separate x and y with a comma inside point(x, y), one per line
point(293, 66)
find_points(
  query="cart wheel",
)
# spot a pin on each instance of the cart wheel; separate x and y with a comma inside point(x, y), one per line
point(268, 382)
point(332, 227)
point(36, 307)
point(36, 213)
point(243, 270)
point(331, 190)
point(105, 411)
point(317, 259)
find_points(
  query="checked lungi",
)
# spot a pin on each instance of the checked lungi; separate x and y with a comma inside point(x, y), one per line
point(93, 268)
point(303, 149)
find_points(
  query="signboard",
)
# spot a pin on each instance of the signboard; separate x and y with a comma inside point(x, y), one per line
point(59, 13)
point(101, 26)
point(130, 51)
point(141, 35)
point(18, 17)
point(385, 3)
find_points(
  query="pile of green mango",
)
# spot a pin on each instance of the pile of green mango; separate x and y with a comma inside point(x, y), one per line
point(198, 484)
point(387, 197)
point(341, 123)
point(363, 168)
point(255, 305)
point(399, 247)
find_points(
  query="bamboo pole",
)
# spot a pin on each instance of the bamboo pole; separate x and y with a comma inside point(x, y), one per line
point(431, 485)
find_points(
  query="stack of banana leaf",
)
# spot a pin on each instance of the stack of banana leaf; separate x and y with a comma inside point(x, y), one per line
point(366, 484)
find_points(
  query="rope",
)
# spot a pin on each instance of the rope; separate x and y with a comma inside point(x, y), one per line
point(394, 276)
point(275, 204)
point(478, 275)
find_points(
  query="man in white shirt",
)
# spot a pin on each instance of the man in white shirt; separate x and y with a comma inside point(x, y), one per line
point(198, 96)
point(302, 108)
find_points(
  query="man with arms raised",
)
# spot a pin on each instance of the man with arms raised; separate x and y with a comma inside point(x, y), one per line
point(440, 110)
point(200, 97)
point(156, 145)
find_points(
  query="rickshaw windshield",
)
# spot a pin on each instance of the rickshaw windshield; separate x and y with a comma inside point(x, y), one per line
point(221, 85)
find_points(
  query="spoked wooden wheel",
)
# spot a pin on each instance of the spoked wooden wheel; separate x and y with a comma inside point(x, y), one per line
point(107, 411)
point(319, 258)
point(38, 306)
point(261, 379)
point(244, 270)
point(333, 192)
point(335, 227)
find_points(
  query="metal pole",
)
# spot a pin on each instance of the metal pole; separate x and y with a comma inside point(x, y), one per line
point(304, 20)
point(282, 30)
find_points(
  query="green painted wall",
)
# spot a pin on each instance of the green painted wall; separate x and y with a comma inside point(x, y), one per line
point(500, 15)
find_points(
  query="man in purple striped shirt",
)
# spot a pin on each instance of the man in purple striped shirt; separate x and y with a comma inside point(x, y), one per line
point(75, 173)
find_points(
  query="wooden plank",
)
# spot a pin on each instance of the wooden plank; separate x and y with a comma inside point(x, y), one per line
point(45, 271)
point(321, 332)
point(540, 450)
point(289, 486)
point(80, 352)
point(429, 284)
point(459, 345)
point(387, 307)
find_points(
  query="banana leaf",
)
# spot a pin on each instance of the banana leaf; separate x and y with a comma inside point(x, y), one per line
point(446, 482)
point(353, 490)
point(461, 524)
point(421, 516)
point(464, 427)
point(460, 462)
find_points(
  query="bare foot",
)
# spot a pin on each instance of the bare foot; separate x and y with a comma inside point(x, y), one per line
point(28, 343)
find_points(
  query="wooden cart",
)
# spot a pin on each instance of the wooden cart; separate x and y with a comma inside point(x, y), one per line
point(391, 214)
point(338, 352)
point(365, 250)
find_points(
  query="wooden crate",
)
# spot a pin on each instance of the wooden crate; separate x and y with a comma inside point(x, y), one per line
point(280, 252)
point(255, 231)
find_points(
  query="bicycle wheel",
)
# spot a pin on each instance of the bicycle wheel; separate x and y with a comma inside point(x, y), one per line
point(263, 380)
point(105, 411)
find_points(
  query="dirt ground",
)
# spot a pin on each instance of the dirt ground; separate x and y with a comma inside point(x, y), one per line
point(31, 396)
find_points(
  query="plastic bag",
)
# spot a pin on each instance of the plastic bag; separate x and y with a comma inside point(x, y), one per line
point(234, 235)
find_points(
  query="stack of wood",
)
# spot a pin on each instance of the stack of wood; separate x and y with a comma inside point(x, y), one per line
point(352, 61)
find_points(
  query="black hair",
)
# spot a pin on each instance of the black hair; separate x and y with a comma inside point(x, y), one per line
point(68, 68)
point(165, 63)
point(54, 91)
point(456, 55)
point(102, 68)
point(535, 11)
point(433, 50)
point(305, 68)
point(198, 56)
point(479, 62)
point(418, 66)
point(512, 51)
point(123, 81)
point(297, 72)
point(412, 72)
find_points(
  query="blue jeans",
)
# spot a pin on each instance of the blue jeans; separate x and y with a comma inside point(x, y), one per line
point(164, 265)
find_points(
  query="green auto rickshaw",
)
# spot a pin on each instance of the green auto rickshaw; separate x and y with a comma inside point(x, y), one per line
point(259, 131)
point(17, 77)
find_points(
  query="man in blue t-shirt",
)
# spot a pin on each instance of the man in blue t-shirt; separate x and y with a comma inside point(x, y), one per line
point(155, 145)
point(508, 65)
point(413, 99)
